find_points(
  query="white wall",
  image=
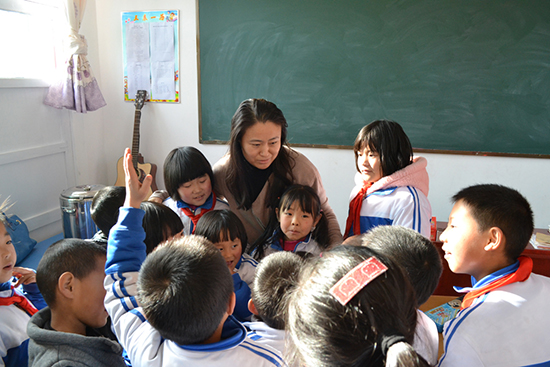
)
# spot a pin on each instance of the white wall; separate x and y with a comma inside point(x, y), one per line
point(100, 137)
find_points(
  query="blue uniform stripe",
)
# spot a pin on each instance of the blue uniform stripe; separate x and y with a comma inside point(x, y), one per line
point(265, 353)
point(254, 336)
point(416, 209)
point(543, 364)
point(138, 314)
point(113, 286)
point(458, 320)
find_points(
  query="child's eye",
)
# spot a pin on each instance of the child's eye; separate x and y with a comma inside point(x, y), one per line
point(9, 242)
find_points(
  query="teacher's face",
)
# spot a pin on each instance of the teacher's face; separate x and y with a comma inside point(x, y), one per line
point(261, 143)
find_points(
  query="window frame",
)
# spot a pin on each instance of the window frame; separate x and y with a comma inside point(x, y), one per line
point(31, 7)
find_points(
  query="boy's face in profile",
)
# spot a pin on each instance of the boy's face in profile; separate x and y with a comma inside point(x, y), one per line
point(8, 255)
point(463, 243)
point(89, 297)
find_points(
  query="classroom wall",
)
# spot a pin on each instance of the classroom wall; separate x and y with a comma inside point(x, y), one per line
point(98, 138)
point(165, 126)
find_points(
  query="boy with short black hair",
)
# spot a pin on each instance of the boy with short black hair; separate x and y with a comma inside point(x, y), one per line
point(185, 292)
point(420, 259)
point(70, 276)
point(503, 319)
point(276, 277)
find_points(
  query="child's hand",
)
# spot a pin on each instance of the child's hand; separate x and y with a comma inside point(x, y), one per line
point(136, 192)
point(24, 276)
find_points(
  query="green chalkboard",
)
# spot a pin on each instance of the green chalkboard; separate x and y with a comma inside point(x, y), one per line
point(458, 75)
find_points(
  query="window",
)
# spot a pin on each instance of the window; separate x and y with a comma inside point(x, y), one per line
point(27, 41)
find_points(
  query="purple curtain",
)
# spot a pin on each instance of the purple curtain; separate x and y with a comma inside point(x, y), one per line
point(76, 89)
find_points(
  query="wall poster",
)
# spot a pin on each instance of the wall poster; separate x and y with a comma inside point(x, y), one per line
point(151, 55)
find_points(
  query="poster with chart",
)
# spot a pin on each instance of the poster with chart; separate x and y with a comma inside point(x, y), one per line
point(151, 55)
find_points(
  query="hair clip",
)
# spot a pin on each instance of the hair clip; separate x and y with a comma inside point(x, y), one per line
point(356, 279)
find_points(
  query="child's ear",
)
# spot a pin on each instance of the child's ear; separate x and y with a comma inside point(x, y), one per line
point(231, 304)
point(496, 239)
point(252, 307)
point(317, 220)
point(65, 284)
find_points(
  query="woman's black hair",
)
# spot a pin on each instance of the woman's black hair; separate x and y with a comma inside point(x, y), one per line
point(375, 327)
point(183, 165)
point(250, 112)
point(309, 202)
point(388, 139)
point(221, 225)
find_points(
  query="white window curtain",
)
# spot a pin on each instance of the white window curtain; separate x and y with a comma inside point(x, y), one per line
point(77, 88)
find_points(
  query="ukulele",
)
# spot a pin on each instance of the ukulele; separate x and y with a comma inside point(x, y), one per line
point(142, 169)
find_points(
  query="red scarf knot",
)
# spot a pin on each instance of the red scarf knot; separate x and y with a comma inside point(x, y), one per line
point(520, 275)
point(354, 214)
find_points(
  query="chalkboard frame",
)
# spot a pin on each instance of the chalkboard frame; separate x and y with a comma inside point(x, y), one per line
point(203, 140)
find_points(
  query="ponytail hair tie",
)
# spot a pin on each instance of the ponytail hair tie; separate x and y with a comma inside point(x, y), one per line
point(386, 341)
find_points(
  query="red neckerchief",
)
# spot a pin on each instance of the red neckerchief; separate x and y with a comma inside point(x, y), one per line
point(520, 275)
point(289, 245)
point(20, 301)
point(195, 217)
point(355, 211)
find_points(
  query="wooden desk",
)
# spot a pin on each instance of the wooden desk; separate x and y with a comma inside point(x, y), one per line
point(541, 265)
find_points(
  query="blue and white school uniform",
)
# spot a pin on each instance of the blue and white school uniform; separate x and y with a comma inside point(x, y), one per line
point(399, 199)
point(396, 206)
point(508, 326)
point(263, 334)
point(188, 225)
point(246, 268)
point(13, 325)
point(308, 245)
point(242, 281)
point(144, 345)
point(426, 338)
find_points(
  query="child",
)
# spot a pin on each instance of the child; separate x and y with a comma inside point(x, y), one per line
point(185, 293)
point(104, 211)
point(332, 323)
point(420, 259)
point(189, 180)
point(225, 230)
point(70, 276)
point(276, 277)
point(503, 319)
point(391, 186)
point(298, 225)
point(17, 304)
point(160, 224)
